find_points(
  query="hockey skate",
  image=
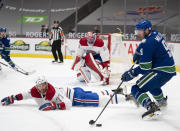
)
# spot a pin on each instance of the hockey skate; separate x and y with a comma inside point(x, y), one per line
point(163, 103)
point(153, 111)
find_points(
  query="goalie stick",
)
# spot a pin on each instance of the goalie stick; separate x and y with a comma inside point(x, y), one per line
point(20, 70)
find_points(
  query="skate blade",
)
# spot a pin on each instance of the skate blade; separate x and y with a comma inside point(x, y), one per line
point(152, 116)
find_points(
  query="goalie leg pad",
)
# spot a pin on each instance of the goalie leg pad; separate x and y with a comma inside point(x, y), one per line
point(78, 63)
point(91, 63)
point(84, 75)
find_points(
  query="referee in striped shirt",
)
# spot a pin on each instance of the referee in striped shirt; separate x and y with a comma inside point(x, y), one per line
point(57, 36)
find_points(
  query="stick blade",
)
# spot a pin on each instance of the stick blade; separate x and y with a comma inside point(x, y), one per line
point(91, 122)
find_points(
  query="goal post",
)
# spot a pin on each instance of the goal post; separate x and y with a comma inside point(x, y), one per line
point(119, 58)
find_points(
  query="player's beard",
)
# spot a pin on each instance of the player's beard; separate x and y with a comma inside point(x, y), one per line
point(147, 33)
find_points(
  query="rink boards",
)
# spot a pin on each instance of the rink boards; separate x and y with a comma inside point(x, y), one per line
point(40, 48)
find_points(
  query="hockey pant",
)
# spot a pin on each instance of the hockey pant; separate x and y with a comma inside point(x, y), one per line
point(6, 56)
point(151, 82)
point(79, 97)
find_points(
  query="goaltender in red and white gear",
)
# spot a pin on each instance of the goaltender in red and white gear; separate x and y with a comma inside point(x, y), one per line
point(49, 97)
point(92, 58)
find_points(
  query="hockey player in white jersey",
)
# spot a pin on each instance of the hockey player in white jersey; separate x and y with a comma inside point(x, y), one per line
point(46, 96)
point(49, 97)
point(92, 58)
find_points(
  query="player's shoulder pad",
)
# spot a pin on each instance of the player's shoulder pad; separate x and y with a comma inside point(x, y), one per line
point(7, 39)
point(83, 42)
point(35, 93)
point(99, 42)
point(50, 92)
point(157, 36)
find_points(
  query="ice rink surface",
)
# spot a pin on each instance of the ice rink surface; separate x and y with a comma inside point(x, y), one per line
point(25, 116)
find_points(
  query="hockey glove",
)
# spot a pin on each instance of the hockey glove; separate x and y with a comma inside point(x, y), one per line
point(48, 106)
point(128, 75)
point(118, 91)
point(52, 106)
point(61, 106)
point(8, 100)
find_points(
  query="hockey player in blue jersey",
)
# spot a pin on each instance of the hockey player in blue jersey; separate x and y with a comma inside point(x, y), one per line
point(156, 65)
point(5, 48)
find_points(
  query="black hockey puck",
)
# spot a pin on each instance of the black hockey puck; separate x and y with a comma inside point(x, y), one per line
point(98, 125)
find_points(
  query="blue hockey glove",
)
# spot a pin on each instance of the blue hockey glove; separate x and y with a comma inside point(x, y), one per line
point(128, 75)
point(8, 100)
point(48, 106)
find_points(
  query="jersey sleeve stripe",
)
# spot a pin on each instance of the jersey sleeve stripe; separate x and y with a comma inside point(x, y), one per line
point(146, 66)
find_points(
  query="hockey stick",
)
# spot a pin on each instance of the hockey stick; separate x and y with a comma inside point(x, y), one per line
point(26, 73)
point(21, 70)
point(91, 122)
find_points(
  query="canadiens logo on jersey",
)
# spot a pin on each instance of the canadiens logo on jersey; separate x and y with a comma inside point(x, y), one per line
point(91, 51)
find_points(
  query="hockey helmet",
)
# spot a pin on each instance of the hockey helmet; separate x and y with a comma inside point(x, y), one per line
point(40, 80)
point(2, 29)
point(90, 37)
point(143, 25)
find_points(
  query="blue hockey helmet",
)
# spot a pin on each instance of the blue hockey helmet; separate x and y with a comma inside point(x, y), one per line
point(2, 29)
point(143, 25)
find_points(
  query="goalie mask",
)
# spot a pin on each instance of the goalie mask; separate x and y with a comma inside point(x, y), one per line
point(42, 84)
point(90, 38)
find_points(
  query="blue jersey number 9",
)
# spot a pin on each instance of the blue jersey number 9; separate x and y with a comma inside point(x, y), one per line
point(166, 48)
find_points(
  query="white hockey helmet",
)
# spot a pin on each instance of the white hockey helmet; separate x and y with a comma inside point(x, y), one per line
point(40, 80)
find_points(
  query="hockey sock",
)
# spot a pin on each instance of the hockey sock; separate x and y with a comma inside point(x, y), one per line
point(159, 98)
point(141, 97)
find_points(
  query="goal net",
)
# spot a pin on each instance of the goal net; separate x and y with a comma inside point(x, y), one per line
point(119, 58)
